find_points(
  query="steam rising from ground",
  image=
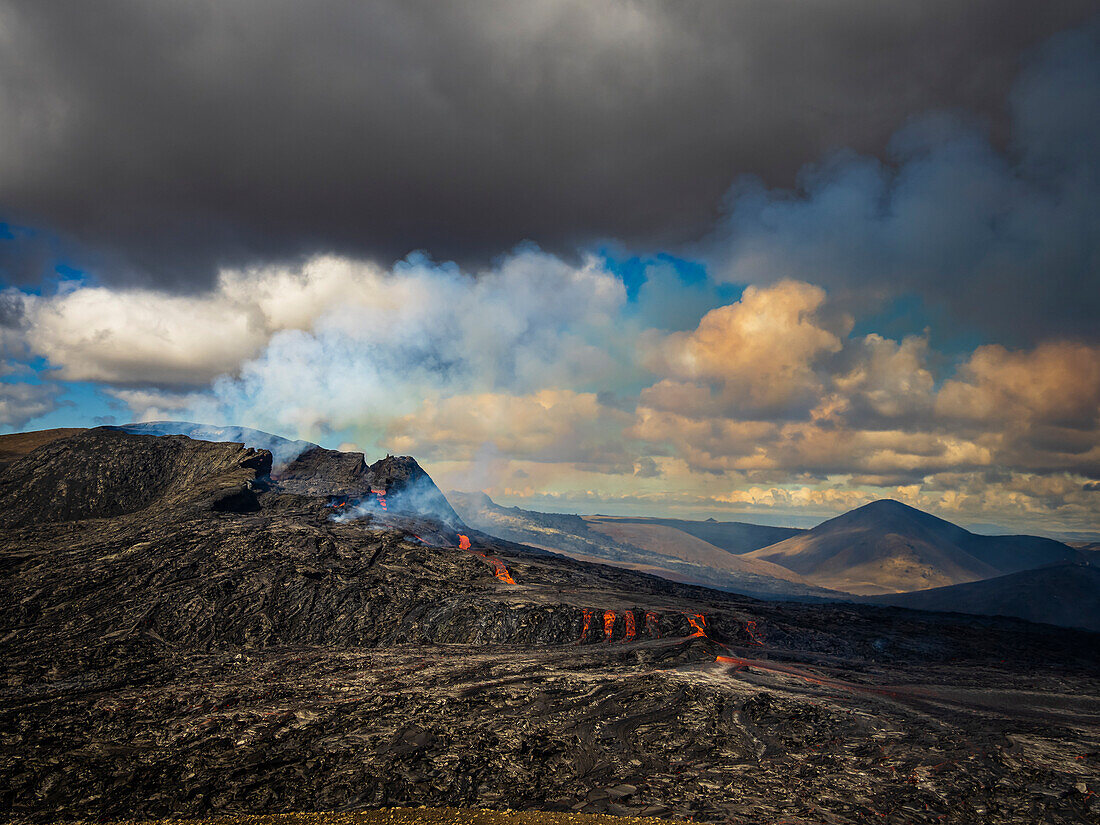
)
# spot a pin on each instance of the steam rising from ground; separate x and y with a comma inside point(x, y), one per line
point(417, 496)
point(283, 451)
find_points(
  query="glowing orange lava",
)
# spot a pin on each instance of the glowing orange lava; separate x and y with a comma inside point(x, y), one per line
point(629, 615)
point(381, 494)
point(699, 622)
point(608, 624)
point(463, 542)
point(499, 570)
point(750, 628)
point(651, 625)
point(587, 626)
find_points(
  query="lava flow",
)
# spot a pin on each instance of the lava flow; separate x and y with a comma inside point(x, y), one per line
point(381, 494)
point(630, 629)
point(750, 628)
point(587, 627)
point(499, 570)
point(608, 624)
point(699, 622)
point(651, 626)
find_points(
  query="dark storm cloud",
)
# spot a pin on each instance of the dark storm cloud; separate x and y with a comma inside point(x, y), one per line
point(1002, 239)
point(11, 310)
point(167, 137)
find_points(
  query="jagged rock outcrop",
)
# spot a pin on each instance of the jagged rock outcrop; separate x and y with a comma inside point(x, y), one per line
point(283, 450)
point(407, 488)
point(303, 468)
point(321, 472)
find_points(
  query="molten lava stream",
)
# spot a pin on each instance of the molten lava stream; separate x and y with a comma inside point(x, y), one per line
point(499, 570)
point(608, 624)
point(651, 626)
point(630, 630)
point(699, 622)
point(586, 628)
point(750, 628)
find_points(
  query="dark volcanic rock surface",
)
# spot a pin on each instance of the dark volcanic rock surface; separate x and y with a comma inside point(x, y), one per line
point(408, 489)
point(181, 659)
point(103, 473)
point(13, 447)
point(1062, 594)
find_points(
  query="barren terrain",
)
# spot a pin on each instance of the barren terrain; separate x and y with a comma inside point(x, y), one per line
point(225, 646)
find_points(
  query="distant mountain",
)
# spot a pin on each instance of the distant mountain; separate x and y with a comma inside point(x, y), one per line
point(1063, 594)
point(732, 536)
point(889, 547)
point(1092, 548)
point(635, 544)
point(671, 542)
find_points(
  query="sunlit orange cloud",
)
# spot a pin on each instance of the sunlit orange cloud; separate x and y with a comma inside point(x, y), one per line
point(1057, 383)
point(761, 351)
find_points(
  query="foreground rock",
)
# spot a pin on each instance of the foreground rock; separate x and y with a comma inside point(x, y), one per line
point(187, 650)
point(429, 816)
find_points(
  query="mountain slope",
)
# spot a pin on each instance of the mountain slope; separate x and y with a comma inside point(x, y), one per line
point(889, 547)
point(1063, 594)
point(669, 541)
point(13, 447)
point(732, 536)
point(635, 544)
point(105, 473)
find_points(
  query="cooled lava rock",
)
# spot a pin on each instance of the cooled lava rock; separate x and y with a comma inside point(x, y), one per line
point(407, 488)
point(186, 635)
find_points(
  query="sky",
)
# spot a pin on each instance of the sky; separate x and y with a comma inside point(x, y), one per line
point(703, 259)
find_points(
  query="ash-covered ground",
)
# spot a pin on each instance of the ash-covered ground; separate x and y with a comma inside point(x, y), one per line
point(184, 635)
